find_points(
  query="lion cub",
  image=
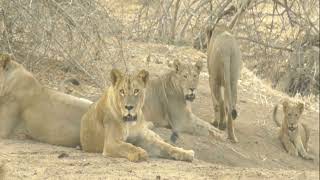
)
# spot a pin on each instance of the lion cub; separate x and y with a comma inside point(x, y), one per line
point(115, 124)
point(294, 135)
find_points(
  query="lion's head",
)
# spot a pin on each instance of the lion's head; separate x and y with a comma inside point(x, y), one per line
point(187, 76)
point(292, 112)
point(129, 92)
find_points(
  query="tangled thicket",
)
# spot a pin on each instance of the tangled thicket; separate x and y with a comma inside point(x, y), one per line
point(279, 38)
point(72, 32)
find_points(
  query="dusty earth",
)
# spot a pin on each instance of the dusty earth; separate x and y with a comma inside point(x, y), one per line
point(258, 155)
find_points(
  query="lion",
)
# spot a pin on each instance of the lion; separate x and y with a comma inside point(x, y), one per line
point(293, 134)
point(168, 102)
point(115, 124)
point(47, 115)
point(224, 66)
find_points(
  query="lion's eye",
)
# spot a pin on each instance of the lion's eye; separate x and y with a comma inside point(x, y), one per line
point(121, 91)
point(195, 75)
point(185, 76)
point(136, 91)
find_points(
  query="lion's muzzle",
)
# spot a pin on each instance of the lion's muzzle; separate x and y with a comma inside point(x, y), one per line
point(292, 128)
point(191, 95)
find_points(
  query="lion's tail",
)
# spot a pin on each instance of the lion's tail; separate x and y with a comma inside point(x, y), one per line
point(274, 116)
point(230, 100)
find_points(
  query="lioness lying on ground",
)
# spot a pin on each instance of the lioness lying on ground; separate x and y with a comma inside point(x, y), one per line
point(224, 66)
point(48, 116)
point(168, 102)
point(115, 124)
point(294, 135)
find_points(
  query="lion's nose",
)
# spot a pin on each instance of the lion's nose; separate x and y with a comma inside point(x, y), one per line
point(128, 107)
point(192, 89)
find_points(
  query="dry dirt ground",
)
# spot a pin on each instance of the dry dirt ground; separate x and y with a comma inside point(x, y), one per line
point(258, 155)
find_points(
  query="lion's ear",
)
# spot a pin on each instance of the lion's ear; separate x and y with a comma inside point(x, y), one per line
point(176, 65)
point(285, 105)
point(4, 60)
point(115, 75)
point(209, 30)
point(199, 65)
point(300, 107)
point(144, 76)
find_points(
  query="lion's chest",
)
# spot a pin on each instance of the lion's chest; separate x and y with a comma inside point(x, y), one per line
point(130, 132)
point(293, 134)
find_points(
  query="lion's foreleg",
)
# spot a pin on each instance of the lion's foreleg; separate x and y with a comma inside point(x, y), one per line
point(8, 119)
point(201, 127)
point(117, 148)
point(156, 146)
point(301, 149)
point(288, 145)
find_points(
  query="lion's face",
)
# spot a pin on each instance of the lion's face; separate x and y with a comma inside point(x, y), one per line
point(292, 112)
point(187, 76)
point(4, 63)
point(129, 92)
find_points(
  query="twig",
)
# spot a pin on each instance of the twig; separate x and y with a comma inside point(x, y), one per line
point(265, 44)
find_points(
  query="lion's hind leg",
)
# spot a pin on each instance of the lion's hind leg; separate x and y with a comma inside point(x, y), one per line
point(307, 135)
point(216, 95)
point(156, 146)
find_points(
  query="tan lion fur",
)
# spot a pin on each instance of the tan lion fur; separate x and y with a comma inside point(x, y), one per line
point(224, 66)
point(48, 116)
point(168, 101)
point(293, 134)
point(115, 124)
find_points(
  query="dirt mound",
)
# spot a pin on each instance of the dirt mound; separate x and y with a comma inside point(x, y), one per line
point(258, 155)
point(31, 160)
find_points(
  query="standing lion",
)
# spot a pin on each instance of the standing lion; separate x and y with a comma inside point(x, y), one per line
point(115, 124)
point(224, 66)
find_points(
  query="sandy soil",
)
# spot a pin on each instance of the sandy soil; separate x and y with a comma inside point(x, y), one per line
point(258, 155)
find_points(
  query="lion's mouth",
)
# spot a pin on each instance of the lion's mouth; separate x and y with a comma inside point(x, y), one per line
point(190, 97)
point(292, 128)
point(129, 118)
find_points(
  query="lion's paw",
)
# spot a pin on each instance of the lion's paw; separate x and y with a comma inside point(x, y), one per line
point(189, 155)
point(183, 155)
point(139, 155)
point(308, 157)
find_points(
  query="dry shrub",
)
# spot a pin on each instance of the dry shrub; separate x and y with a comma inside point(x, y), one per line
point(71, 32)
